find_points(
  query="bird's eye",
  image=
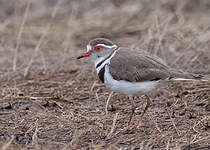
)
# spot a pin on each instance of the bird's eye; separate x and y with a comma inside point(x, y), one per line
point(98, 48)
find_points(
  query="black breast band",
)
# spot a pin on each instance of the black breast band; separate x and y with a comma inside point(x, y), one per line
point(99, 64)
point(101, 73)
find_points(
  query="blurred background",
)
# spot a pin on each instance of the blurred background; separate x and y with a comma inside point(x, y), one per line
point(45, 33)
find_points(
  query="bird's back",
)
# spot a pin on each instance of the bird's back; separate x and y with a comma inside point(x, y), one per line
point(139, 66)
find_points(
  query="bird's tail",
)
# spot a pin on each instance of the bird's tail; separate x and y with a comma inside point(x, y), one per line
point(185, 76)
point(185, 79)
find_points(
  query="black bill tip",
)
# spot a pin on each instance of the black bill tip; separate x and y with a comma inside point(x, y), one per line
point(79, 57)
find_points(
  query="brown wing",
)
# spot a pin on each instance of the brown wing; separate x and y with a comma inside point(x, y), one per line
point(137, 66)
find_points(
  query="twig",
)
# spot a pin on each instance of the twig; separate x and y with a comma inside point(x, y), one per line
point(202, 139)
point(107, 102)
point(34, 137)
point(195, 136)
point(68, 42)
point(163, 34)
point(5, 146)
point(196, 124)
point(167, 146)
point(156, 125)
point(113, 125)
point(95, 84)
point(20, 34)
point(43, 61)
point(177, 131)
point(77, 134)
point(37, 48)
point(92, 87)
point(97, 98)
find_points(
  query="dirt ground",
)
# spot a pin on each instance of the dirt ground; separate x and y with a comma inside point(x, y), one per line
point(50, 100)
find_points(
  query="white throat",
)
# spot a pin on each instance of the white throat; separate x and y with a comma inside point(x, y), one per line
point(98, 60)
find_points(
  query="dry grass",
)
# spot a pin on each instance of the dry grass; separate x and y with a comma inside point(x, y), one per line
point(50, 100)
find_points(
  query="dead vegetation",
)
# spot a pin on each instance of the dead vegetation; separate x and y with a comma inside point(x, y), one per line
point(50, 100)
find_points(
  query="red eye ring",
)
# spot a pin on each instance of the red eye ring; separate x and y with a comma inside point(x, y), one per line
point(98, 48)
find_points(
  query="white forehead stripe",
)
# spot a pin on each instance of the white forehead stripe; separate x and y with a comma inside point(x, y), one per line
point(107, 46)
point(88, 47)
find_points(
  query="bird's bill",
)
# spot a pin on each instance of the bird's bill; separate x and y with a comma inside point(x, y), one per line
point(84, 55)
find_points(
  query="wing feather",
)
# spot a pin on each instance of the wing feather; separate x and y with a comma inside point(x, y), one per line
point(137, 66)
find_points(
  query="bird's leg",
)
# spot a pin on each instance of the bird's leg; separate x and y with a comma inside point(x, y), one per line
point(149, 102)
point(137, 124)
point(133, 108)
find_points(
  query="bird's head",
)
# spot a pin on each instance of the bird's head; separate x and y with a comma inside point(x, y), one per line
point(99, 48)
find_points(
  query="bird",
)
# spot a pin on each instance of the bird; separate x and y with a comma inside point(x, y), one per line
point(132, 72)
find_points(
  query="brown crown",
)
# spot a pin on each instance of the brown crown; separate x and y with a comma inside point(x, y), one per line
point(96, 41)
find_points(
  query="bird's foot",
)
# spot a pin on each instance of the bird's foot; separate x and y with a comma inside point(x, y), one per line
point(130, 128)
point(135, 126)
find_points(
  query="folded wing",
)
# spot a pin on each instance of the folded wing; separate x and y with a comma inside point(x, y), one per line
point(137, 66)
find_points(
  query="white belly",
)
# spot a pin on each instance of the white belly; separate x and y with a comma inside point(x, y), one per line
point(128, 88)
